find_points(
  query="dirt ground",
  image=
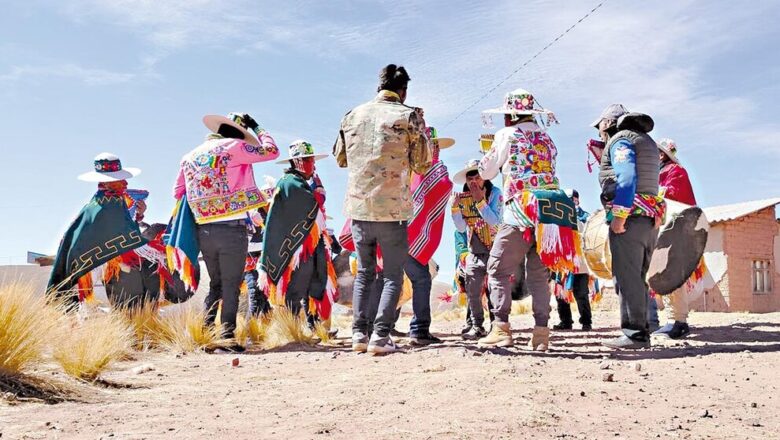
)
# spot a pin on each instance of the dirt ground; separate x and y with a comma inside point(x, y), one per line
point(720, 383)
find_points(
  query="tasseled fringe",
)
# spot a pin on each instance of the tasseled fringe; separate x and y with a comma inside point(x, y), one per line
point(178, 262)
point(84, 285)
point(558, 247)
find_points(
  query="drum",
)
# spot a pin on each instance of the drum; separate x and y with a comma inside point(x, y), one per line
point(680, 247)
point(595, 245)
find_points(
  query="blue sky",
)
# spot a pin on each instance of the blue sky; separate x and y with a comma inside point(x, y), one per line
point(134, 77)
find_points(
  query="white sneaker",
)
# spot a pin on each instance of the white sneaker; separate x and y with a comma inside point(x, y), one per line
point(380, 345)
point(359, 342)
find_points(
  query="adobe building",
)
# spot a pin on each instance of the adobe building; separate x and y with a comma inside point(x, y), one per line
point(743, 258)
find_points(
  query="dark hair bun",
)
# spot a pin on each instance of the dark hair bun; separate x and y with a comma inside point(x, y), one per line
point(393, 78)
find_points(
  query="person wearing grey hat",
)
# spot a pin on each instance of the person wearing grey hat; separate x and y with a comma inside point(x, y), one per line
point(629, 191)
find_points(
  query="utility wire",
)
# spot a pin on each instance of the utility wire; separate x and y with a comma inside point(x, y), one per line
point(493, 89)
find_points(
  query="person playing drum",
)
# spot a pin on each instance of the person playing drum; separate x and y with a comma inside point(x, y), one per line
point(675, 185)
point(629, 191)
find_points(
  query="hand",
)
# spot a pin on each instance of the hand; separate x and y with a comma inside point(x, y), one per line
point(658, 221)
point(618, 225)
point(476, 192)
point(140, 208)
point(455, 200)
point(249, 122)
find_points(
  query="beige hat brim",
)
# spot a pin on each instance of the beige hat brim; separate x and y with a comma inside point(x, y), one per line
point(669, 154)
point(113, 176)
point(444, 142)
point(212, 122)
point(315, 156)
point(460, 176)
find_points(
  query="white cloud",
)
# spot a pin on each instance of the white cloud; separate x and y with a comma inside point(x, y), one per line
point(90, 76)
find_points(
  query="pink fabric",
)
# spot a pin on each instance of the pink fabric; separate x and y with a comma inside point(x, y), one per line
point(217, 177)
point(429, 197)
point(678, 186)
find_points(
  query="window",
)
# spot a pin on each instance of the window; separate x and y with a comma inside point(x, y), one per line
point(762, 277)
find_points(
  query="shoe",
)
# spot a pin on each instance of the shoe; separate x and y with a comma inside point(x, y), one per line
point(624, 342)
point(474, 333)
point(333, 332)
point(664, 331)
point(563, 326)
point(679, 330)
point(381, 345)
point(423, 339)
point(652, 328)
point(587, 327)
point(235, 348)
point(397, 334)
point(359, 342)
point(466, 329)
point(500, 336)
point(540, 339)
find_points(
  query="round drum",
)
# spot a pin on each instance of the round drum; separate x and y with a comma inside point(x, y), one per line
point(679, 249)
point(595, 245)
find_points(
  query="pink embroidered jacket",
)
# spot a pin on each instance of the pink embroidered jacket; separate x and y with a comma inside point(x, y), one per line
point(217, 177)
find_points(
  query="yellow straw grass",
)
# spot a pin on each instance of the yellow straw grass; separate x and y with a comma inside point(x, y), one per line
point(285, 328)
point(183, 330)
point(252, 330)
point(88, 348)
point(27, 325)
point(145, 322)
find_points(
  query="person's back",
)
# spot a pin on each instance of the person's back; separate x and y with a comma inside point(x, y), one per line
point(380, 141)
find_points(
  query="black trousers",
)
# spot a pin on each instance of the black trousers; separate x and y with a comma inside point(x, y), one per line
point(224, 248)
point(580, 291)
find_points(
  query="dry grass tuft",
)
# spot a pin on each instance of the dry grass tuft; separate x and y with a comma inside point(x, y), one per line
point(285, 328)
point(183, 330)
point(91, 345)
point(145, 322)
point(322, 332)
point(27, 325)
point(521, 307)
point(453, 314)
point(253, 330)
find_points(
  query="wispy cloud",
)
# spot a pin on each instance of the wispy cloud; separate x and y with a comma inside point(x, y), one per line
point(89, 76)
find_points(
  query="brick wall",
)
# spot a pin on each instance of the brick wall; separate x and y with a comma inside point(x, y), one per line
point(746, 239)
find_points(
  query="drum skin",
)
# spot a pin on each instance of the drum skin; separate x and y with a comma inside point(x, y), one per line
point(680, 247)
point(595, 245)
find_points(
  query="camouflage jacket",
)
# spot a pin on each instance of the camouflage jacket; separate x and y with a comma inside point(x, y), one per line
point(381, 142)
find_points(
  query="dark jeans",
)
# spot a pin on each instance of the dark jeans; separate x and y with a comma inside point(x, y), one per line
point(631, 253)
point(224, 247)
point(420, 276)
point(258, 302)
point(134, 288)
point(391, 238)
point(580, 291)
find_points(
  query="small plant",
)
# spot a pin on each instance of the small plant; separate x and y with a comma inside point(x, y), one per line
point(145, 322)
point(90, 346)
point(183, 330)
point(285, 328)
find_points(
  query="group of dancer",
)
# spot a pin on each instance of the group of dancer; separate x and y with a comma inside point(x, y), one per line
point(515, 238)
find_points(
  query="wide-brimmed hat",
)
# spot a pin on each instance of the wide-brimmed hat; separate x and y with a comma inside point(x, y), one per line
point(519, 102)
point(108, 168)
point(234, 120)
point(442, 142)
point(613, 111)
point(460, 176)
point(669, 146)
point(300, 149)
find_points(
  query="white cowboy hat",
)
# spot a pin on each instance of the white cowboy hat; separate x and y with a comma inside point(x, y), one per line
point(460, 176)
point(669, 147)
point(212, 122)
point(444, 142)
point(519, 102)
point(300, 149)
point(108, 168)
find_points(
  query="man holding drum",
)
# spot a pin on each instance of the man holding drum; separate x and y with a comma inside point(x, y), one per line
point(629, 192)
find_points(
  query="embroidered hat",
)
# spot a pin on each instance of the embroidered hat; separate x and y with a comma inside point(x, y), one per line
point(234, 120)
point(519, 102)
point(613, 111)
point(443, 142)
point(300, 149)
point(460, 176)
point(669, 146)
point(108, 168)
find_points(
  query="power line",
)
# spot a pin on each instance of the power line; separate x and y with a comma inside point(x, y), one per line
point(493, 89)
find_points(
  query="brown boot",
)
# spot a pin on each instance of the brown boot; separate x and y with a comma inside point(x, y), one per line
point(500, 336)
point(540, 339)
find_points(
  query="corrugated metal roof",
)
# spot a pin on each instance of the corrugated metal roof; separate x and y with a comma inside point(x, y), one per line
point(717, 214)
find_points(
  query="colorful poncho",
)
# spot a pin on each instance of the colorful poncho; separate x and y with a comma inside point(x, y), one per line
point(102, 231)
point(295, 232)
point(181, 245)
point(429, 197)
point(553, 217)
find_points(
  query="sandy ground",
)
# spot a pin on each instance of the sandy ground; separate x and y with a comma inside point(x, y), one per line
point(720, 383)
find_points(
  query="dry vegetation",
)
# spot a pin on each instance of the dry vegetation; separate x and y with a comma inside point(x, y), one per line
point(91, 345)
